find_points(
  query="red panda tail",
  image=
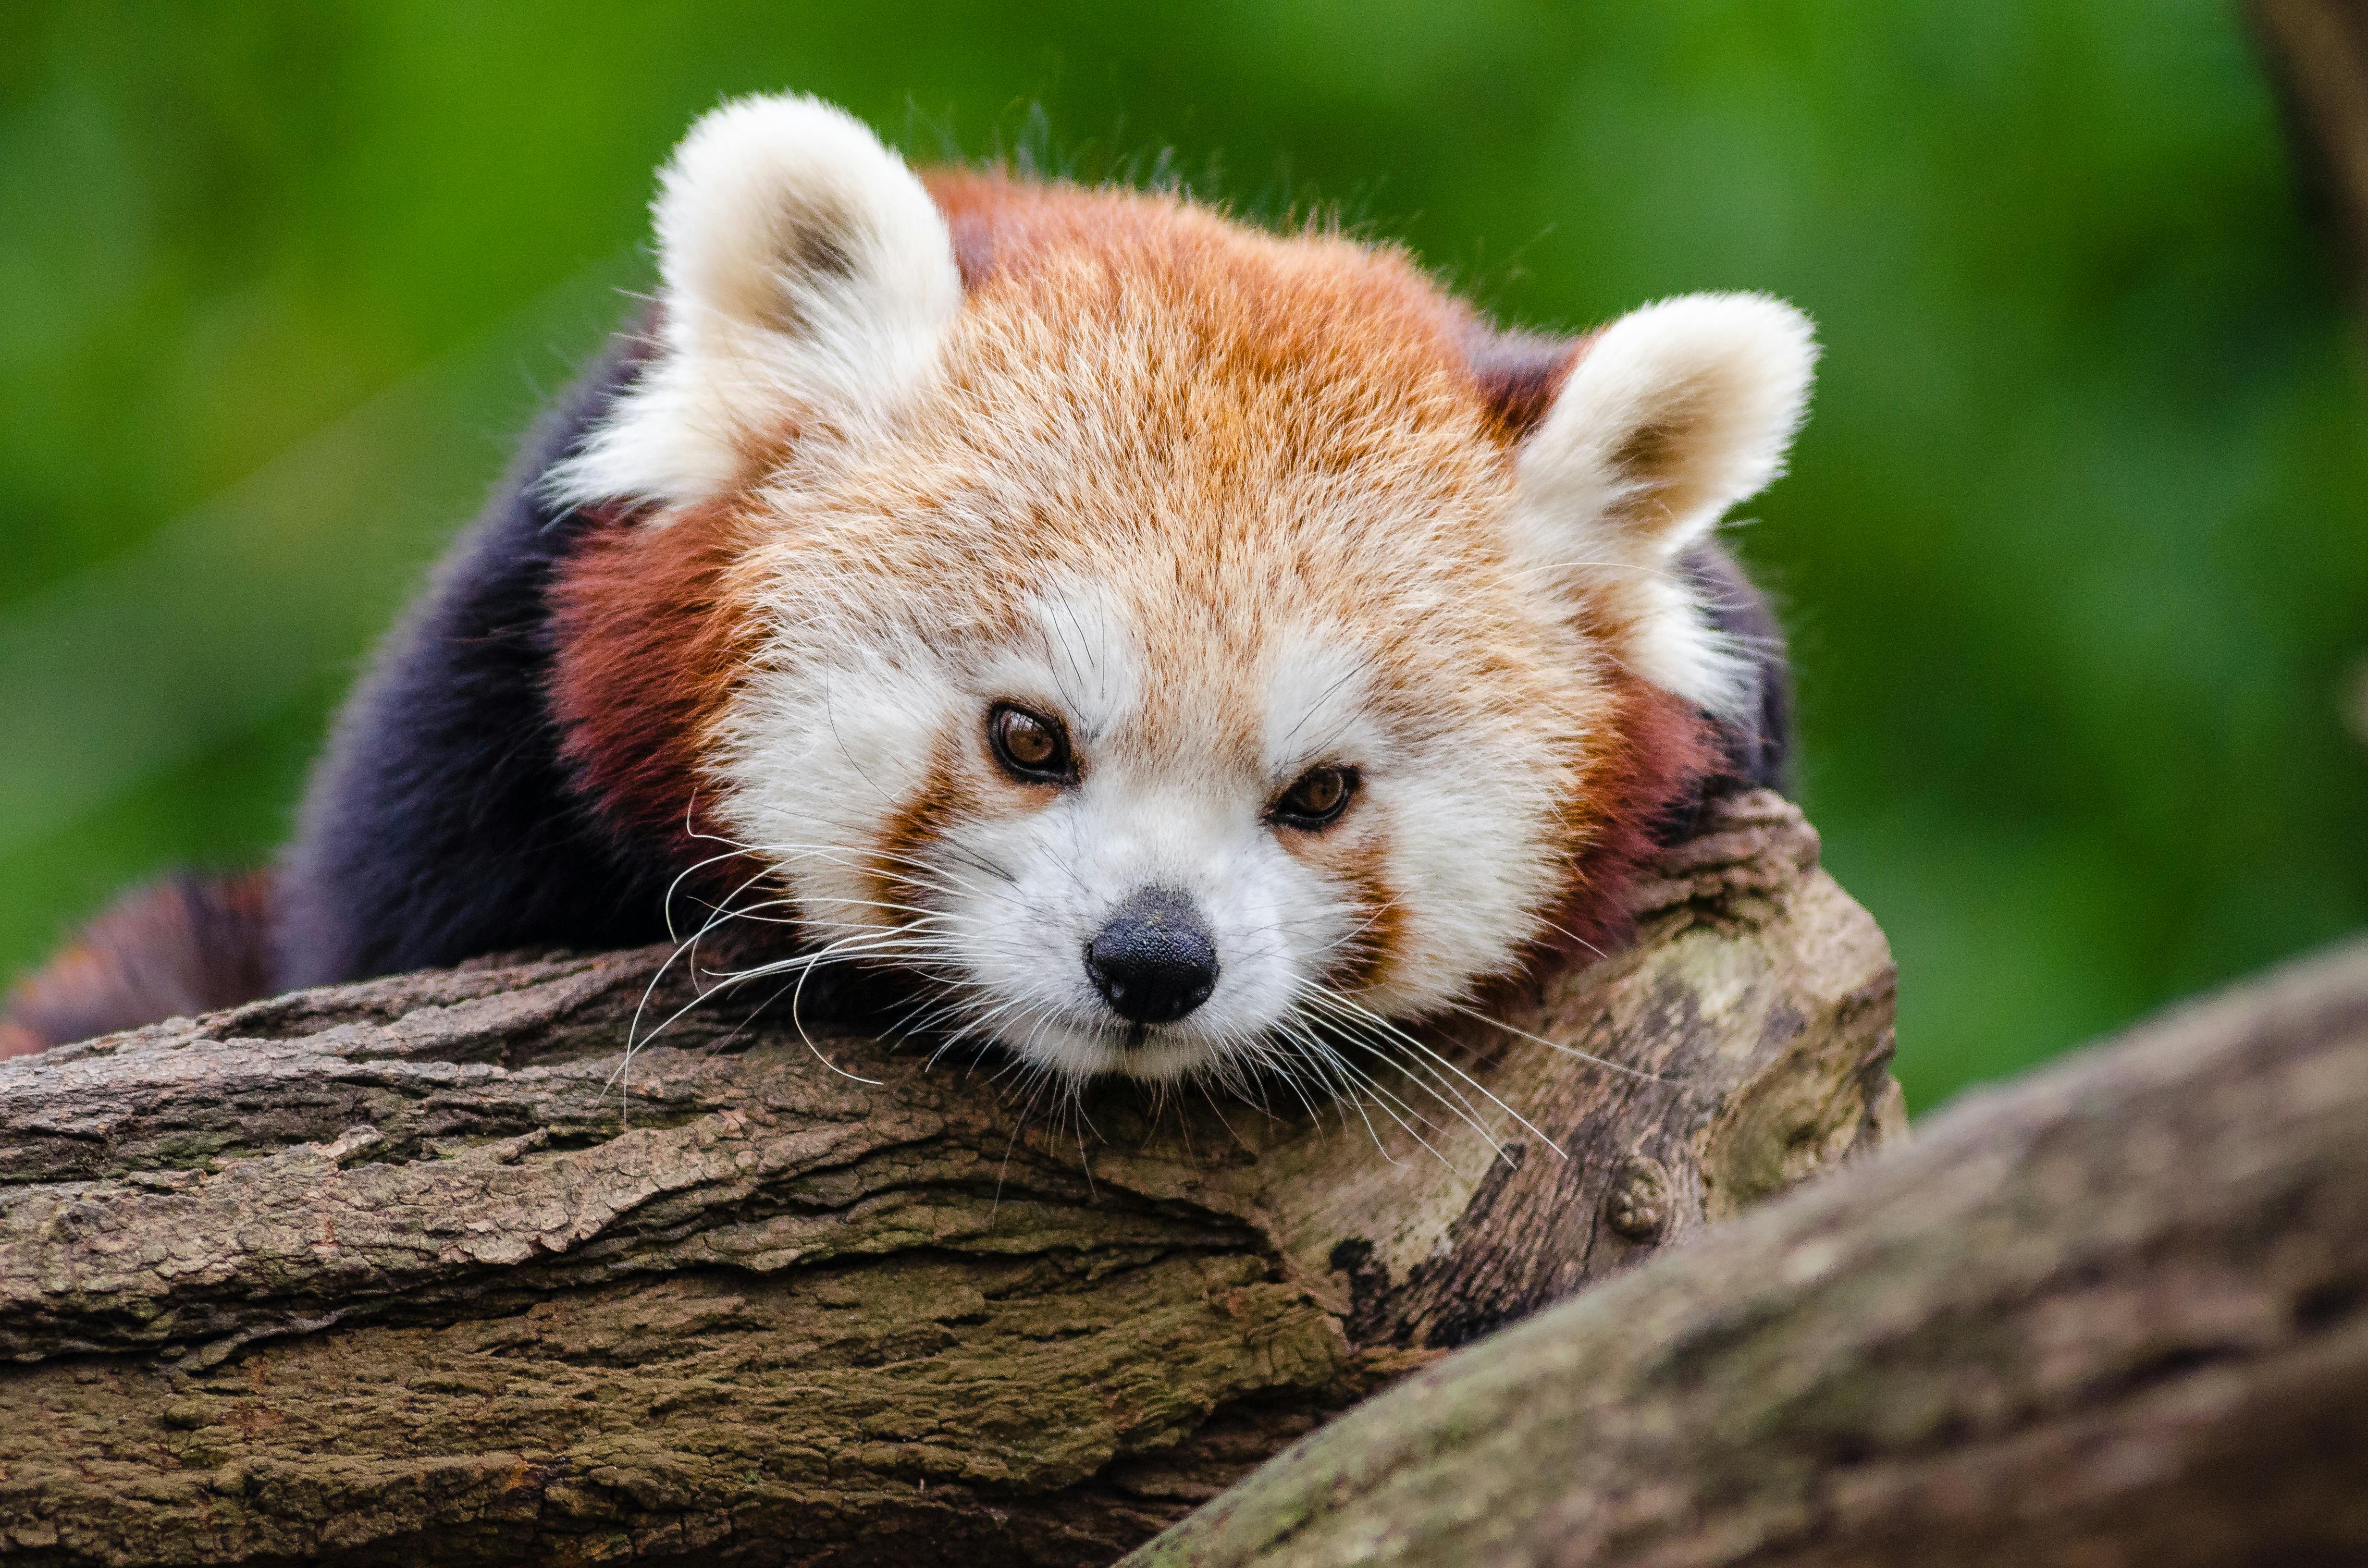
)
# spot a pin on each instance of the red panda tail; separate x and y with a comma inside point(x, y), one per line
point(182, 945)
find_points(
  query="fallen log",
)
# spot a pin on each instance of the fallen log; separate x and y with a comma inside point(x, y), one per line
point(2115, 1314)
point(397, 1271)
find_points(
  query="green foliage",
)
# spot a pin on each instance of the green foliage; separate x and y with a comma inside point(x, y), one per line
point(2073, 547)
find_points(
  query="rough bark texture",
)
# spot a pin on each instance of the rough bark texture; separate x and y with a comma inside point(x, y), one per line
point(394, 1272)
point(2115, 1315)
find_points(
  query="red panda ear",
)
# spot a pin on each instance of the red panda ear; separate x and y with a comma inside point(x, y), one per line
point(807, 284)
point(1673, 414)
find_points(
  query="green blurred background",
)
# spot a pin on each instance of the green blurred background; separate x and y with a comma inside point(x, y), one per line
point(2073, 549)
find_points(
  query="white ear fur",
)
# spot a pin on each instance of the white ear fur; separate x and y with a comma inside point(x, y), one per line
point(1673, 414)
point(807, 280)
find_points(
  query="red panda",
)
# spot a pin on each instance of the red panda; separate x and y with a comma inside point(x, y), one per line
point(1151, 636)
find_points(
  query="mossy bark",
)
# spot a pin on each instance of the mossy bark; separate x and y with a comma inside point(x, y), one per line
point(2116, 1315)
point(396, 1271)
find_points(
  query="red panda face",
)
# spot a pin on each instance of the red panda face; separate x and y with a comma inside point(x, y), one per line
point(1116, 848)
point(1282, 722)
point(1158, 646)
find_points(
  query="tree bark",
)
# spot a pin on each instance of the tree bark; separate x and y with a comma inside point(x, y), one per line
point(2115, 1315)
point(2316, 51)
point(396, 1271)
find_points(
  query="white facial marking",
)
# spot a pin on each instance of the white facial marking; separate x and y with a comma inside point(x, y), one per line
point(1001, 901)
point(1156, 806)
point(1316, 707)
point(954, 533)
point(1077, 658)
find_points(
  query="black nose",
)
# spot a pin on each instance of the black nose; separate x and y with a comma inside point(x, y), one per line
point(1153, 962)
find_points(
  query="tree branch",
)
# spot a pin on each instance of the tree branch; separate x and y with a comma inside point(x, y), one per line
point(389, 1272)
point(2117, 1313)
point(2316, 51)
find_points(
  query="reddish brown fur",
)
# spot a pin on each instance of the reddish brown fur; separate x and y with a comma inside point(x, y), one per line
point(1662, 752)
point(904, 843)
point(1370, 303)
point(649, 641)
point(1327, 358)
point(1364, 959)
point(183, 945)
point(1313, 330)
point(1666, 750)
point(652, 622)
point(1518, 375)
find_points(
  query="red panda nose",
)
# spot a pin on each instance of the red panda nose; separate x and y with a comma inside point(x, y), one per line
point(1153, 962)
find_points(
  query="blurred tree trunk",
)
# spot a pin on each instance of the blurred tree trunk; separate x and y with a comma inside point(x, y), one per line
point(386, 1272)
point(2115, 1315)
point(2318, 55)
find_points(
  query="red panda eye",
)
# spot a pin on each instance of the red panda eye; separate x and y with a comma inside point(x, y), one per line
point(1317, 798)
point(1032, 747)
